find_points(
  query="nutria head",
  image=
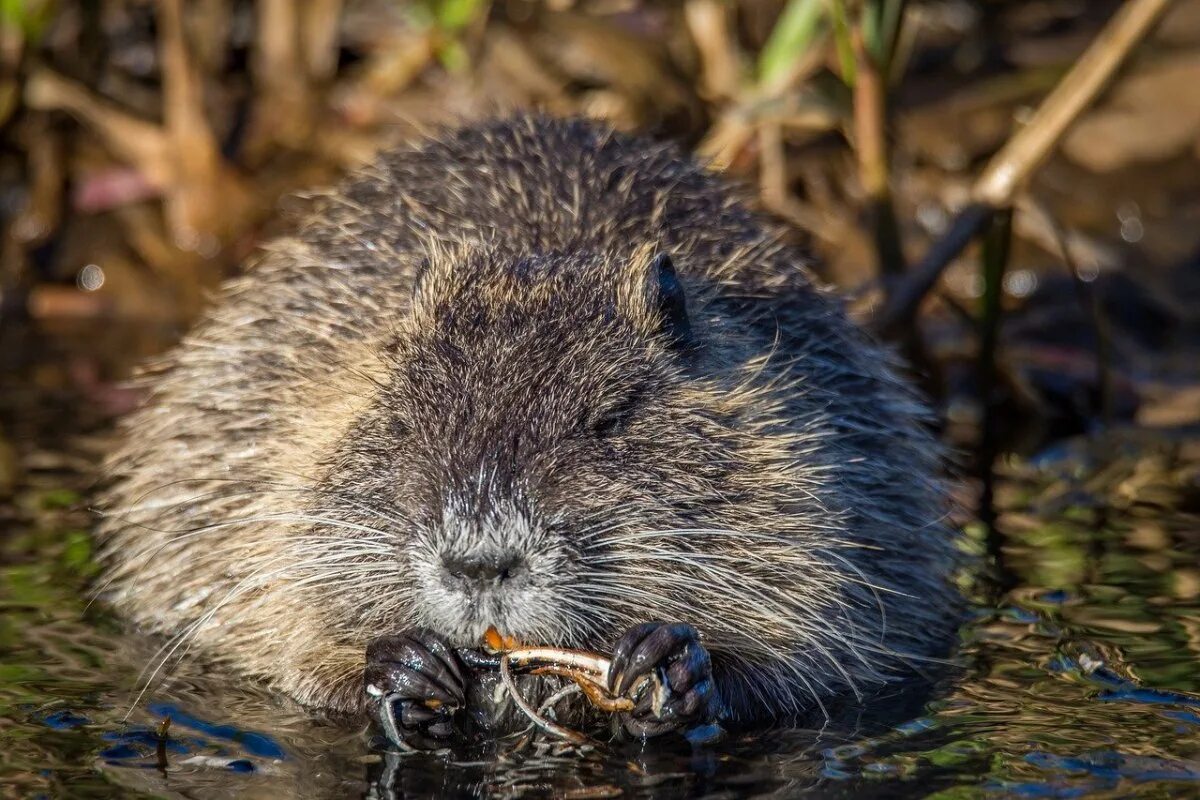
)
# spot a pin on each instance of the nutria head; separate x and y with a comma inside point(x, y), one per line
point(537, 411)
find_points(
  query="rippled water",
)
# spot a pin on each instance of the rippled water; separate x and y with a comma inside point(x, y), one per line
point(1084, 681)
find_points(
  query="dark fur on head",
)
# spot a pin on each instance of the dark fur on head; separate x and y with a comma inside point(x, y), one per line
point(565, 357)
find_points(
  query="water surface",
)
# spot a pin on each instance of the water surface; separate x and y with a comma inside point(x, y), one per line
point(1083, 681)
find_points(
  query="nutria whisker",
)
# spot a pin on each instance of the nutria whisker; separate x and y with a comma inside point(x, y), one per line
point(746, 641)
point(261, 486)
point(173, 644)
point(175, 537)
point(709, 562)
point(178, 537)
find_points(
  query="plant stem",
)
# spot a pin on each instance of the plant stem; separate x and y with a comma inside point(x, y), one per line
point(871, 147)
point(997, 245)
point(793, 34)
point(842, 39)
point(1008, 170)
point(905, 297)
point(1090, 299)
point(881, 29)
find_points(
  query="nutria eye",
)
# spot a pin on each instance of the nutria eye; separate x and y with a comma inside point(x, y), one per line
point(614, 420)
point(607, 425)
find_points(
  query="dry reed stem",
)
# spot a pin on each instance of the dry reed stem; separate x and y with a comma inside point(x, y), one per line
point(1008, 170)
point(871, 148)
point(738, 123)
point(194, 197)
point(285, 106)
point(319, 34)
point(589, 671)
point(132, 140)
point(542, 723)
point(720, 59)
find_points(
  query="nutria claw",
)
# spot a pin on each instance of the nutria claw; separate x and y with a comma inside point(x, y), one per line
point(416, 687)
point(673, 654)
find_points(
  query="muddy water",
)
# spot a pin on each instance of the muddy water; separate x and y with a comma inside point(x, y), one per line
point(1084, 681)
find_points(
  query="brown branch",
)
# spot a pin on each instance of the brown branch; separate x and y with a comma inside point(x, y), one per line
point(1009, 169)
point(1013, 165)
point(710, 23)
point(319, 34)
point(905, 296)
point(194, 198)
point(871, 147)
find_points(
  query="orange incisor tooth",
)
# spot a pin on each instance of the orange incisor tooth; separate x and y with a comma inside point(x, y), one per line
point(497, 643)
point(493, 639)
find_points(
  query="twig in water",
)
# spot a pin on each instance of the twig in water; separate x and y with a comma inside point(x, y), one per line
point(905, 296)
point(588, 670)
point(1090, 298)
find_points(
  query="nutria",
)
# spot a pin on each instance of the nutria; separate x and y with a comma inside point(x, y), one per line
point(540, 376)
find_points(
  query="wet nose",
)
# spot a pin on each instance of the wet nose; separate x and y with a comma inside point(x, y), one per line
point(490, 569)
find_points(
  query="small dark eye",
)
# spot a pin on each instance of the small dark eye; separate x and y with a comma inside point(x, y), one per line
point(614, 420)
point(608, 425)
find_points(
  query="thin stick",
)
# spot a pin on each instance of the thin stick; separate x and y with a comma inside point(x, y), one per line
point(1024, 152)
point(870, 145)
point(543, 724)
point(1090, 298)
point(709, 23)
point(588, 670)
point(1008, 170)
point(557, 697)
point(997, 246)
point(577, 660)
point(194, 199)
point(907, 293)
point(596, 694)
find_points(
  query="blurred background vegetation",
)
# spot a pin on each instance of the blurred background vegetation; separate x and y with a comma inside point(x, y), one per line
point(1007, 190)
point(147, 145)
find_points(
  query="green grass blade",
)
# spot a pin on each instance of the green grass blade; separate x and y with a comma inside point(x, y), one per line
point(794, 33)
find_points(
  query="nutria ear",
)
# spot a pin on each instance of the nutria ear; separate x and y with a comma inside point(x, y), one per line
point(670, 301)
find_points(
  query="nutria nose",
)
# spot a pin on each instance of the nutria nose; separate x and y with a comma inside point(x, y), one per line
point(483, 569)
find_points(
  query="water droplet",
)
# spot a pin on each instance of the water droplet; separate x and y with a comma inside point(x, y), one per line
point(1132, 230)
point(1020, 283)
point(90, 278)
point(1129, 210)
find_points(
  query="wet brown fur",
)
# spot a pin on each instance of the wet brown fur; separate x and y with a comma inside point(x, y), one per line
point(328, 430)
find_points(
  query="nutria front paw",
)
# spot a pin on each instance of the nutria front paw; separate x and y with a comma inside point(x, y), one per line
point(672, 653)
point(416, 689)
